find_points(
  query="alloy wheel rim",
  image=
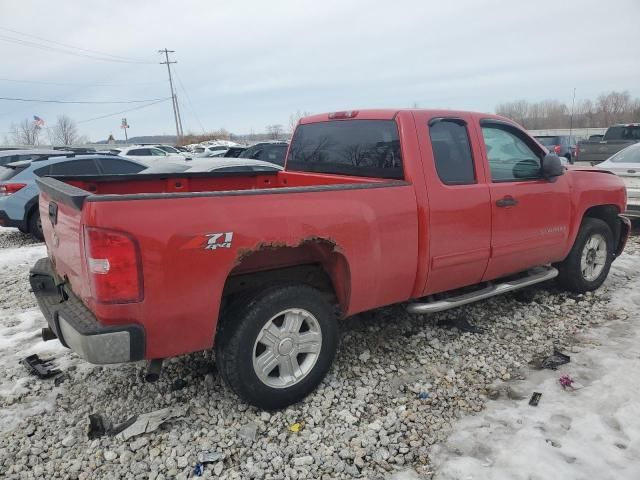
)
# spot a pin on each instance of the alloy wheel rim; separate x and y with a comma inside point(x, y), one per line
point(594, 257)
point(287, 348)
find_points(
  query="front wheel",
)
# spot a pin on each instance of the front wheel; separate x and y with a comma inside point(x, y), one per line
point(276, 348)
point(587, 265)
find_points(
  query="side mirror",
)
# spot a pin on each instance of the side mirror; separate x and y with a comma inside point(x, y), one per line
point(552, 167)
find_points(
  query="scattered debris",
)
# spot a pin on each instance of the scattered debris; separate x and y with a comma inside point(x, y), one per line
point(248, 431)
point(461, 324)
point(205, 457)
point(296, 427)
point(423, 395)
point(552, 362)
point(98, 426)
point(149, 422)
point(60, 379)
point(535, 399)
point(198, 470)
point(41, 368)
point(178, 384)
point(566, 381)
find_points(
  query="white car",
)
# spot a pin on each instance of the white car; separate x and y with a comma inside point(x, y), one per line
point(237, 165)
point(172, 150)
point(626, 164)
point(210, 150)
point(148, 155)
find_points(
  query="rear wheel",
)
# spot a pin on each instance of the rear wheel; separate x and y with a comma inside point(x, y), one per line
point(587, 265)
point(276, 348)
point(35, 225)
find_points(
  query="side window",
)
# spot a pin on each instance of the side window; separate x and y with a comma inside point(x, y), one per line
point(75, 167)
point(510, 158)
point(40, 172)
point(140, 152)
point(113, 166)
point(452, 151)
point(156, 152)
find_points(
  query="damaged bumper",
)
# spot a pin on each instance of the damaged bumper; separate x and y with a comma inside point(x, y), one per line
point(77, 328)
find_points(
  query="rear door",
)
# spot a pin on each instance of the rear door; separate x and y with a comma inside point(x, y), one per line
point(459, 225)
point(530, 215)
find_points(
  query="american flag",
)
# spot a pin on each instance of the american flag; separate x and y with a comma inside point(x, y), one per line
point(37, 121)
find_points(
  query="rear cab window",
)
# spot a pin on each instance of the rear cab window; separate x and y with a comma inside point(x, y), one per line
point(623, 132)
point(362, 148)
point(7, 173)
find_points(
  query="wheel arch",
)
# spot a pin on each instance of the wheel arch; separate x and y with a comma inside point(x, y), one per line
point(609, 215)
point(316, 262)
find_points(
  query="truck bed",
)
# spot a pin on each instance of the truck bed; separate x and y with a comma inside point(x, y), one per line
point(185, 184)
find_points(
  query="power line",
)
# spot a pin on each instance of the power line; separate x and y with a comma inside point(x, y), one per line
point(27, 43)
point(83, 102)
point(38, 82)
point(66, 45)
point(122, 111)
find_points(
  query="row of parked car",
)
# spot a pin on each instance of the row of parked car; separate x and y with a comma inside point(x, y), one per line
point(20, 168)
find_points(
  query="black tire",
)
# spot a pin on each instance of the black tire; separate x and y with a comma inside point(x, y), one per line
point(238, 333)
point(35, 226)
point(571, 276)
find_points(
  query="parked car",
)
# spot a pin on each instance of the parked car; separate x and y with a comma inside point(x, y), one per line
point(615, 139)
point(375, 207)
point(562, 145)
point(210, 150)
point(148, 155)
point(10, 156)
point(19, 192)
point(173, 150)
point(234, 152)
point(273, 152)
point(77, 150)
point(626, 164)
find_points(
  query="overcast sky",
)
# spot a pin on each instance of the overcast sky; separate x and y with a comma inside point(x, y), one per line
point(247, 64)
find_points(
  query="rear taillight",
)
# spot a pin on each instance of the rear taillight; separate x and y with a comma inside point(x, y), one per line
point(557, 149)
point(113, 263)
point(7, 189)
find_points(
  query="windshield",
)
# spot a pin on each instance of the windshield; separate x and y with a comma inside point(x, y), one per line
point(623, 132)
point(628, 155)
point(548, 141)
point(167, 149)
point(364, 148)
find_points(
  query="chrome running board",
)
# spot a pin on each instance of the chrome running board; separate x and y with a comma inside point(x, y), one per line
point(537, 275)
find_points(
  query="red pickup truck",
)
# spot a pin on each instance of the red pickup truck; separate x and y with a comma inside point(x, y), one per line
point(376, 207)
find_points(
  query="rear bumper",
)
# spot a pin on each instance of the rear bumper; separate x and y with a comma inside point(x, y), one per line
point(6, 221)
point(77, 328)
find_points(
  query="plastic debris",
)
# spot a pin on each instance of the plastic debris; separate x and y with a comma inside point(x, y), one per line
point(198, 470)
point(461, 324)
point(535, 399)
point(205, 457)
point(566, 381)
point(149, 422)
point(248, 431)
point(41, 368)
point(423, 395)
point(296, 427)
point(558, 358)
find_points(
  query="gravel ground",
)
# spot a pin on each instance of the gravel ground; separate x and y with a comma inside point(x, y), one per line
point(397, 385)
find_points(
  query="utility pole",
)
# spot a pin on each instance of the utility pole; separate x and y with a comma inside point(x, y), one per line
point(573, 104)
point(174, 99)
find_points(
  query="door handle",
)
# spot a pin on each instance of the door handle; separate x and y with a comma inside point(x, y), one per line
point(507, 201)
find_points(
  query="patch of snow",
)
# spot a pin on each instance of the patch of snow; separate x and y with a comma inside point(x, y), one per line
point(590, 432)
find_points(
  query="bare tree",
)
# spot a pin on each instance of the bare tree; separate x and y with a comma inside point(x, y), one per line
point(294, 118)
point(64, 132)
point(25, 133)
point(275, 131)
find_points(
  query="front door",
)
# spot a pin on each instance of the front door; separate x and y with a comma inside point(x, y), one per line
point(530, 215)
